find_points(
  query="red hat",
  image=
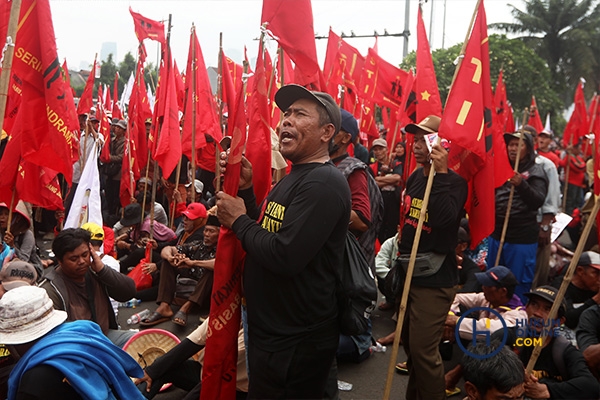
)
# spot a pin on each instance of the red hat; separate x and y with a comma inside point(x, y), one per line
point(195, 211)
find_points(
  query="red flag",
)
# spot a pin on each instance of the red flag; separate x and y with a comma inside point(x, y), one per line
point(104, 126)
point(48, 140)
point(293, 29)
point(200, 104)
point(577, 125)
point(130, 171)
point(220, 359)
point(180, 85)
point(467, 123)
point(116, 111)
point(139, 112)
point(534, 116)
point(428, 95)
point(381, 82)
point(168, 148)
point(147, 28)
point(510, 119)
point(235, 72)
point(258, 146)
point(367, 119)
point(85, 101)
point(502, 168)
point(72, 119)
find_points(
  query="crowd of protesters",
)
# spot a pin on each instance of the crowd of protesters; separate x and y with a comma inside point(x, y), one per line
point(294, 245)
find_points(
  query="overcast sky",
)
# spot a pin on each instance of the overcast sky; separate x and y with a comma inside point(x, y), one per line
point(82, 26)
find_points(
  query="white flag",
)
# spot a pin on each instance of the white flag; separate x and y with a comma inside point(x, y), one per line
point(86, 206)
point(127, 91)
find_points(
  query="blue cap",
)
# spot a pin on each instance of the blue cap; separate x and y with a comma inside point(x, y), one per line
point(499, 276)
point(349, 124)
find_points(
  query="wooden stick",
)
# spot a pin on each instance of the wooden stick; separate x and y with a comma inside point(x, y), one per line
point(567, 171)
point(565, 283)
point(512, 189)
point(7, 60)
point(194, 101)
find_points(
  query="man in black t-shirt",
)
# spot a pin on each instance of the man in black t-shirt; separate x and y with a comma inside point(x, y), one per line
point(292, 253)
point(430, 295)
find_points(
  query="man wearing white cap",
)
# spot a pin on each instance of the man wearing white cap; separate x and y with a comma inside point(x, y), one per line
point(60, 360)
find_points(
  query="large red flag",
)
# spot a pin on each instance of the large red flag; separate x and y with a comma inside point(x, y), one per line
point(72, 120)
point(180, 85)
point(200, 102)
point(258, 145)
point(168, 148)
point(293, 28)
point(534, 116)
point(85, 101)
point(467, 123)
point(147, 28)
point(502, 168)
point(48, 139)
point(139, 112)
point(220, 359)
point(578, 124)
point(381, 82)
point(428, 95)
point(130, 171)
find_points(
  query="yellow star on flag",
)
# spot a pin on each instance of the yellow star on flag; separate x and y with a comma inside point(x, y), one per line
point(425, 95)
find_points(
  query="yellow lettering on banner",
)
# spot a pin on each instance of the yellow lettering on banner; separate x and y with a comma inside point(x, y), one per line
point(477, 74)
point(370, 74)
point(29, 59)
point(353, 65)
point(16, 89)
point(481, 130)
point(464, 112)
point(60, 125)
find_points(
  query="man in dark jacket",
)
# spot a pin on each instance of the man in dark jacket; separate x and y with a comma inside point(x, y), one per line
point(530, 187)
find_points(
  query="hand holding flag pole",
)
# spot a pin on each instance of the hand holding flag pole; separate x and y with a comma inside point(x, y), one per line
point(512, 188)
point(415, 247)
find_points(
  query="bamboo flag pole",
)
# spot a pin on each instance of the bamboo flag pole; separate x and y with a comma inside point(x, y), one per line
point(87, 126)
point(565, 283)
point(595, 140)
point(415, 247)
point(194, 116)
point(567, 171)
point(7, 57)
point(512, 189)
point(220, 99)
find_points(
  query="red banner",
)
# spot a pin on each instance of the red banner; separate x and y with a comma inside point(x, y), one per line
point(428, 95)
point(146, 28)
point(381, 82)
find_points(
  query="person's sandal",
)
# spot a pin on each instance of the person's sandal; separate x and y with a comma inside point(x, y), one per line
point(402, 368)
point(452, 392)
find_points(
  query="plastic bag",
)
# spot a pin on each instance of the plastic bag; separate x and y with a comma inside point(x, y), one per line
point(142, 280)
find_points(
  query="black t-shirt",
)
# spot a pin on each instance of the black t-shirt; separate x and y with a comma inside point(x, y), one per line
point(47, 383)
point(289, 281)
point(440, 228)
point(578, 300)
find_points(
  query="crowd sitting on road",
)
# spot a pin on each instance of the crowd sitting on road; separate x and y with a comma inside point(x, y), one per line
point(294, 244)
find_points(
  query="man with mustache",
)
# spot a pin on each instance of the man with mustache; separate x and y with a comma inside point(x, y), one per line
point(293, 252)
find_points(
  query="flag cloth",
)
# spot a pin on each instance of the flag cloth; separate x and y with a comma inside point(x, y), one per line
point(48, 140)
point(116, 111)
point(428, 95)
point(381, 82)
point(200, 105)
point(180, 85)
point(220, 359)
point(293, 29)
point(502, 168)
point(467, 124)
point(86, 205)
point(130, 171)
point(168, 148)
point(534, 116)
point(85, 101)
point(139, 112)
point(145, 28)
point(577, 125)
point(258, 145)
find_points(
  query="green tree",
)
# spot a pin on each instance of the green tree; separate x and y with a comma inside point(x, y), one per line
point(525, 74)
point(126, 67)
point(566, 34)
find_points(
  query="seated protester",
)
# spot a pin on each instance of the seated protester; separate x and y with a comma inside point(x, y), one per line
point(177, 367)
point(131, 246)
point(97, 240)
point(60, 360)
point(501, 376)
point(187, 269)
point(559, 373)
point(14, 274)
point(19, 237)
point(584, 289)
point(159, 212)
point(498, 285)
point(588, 338)
point(82, 286)
point(193, 195)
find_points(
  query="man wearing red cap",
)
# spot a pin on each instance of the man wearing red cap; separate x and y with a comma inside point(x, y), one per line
point(187, 268)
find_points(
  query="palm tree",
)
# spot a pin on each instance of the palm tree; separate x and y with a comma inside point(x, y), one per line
point(565, 33)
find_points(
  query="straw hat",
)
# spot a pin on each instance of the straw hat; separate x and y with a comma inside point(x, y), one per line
point(27, 314)
point(147, 345)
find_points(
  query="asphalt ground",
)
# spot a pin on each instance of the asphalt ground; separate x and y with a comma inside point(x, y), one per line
point(368, 378)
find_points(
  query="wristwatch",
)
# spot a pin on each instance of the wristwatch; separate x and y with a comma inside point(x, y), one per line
point(545, 228)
